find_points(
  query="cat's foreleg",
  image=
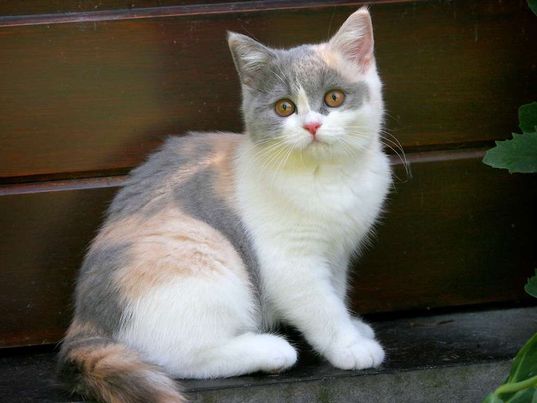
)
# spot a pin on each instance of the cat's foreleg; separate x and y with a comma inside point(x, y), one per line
point(302, 291)
point(363, 328)
point(339, 280)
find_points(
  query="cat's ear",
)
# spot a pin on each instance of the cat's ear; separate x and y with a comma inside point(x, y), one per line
point(250, 56)
point(354, 40)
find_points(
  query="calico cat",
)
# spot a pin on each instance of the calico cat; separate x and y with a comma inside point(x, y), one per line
point(219, 237)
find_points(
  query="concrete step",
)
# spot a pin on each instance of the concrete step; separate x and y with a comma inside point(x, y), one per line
point(458, 357)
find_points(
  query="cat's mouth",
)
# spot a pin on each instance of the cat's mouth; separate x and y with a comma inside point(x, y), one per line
point(317, 142)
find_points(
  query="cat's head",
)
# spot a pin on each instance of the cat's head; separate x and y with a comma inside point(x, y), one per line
point(321, 100)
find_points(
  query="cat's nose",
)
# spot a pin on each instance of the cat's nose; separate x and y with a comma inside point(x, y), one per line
point(312, 127)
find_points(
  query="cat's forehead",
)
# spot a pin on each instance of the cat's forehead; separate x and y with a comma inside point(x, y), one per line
point(302, 62)
point(309, 68)
point(301, 67)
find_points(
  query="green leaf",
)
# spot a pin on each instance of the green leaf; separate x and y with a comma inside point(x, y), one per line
point(527, 115)
point(524, 396)
point(516, 155)
point(492, 398)
point(525, 363)
point(531, 285)
point(533, 6)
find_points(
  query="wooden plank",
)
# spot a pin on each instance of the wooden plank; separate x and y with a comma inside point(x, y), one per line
point(33, 7)
point(457, 233)
point(43, 239)
point(29, 13)
point(94, 98)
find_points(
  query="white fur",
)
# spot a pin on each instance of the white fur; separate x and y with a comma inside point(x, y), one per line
point(308, 213)
point(305, 214)
point(305, 225)
point(204, 327)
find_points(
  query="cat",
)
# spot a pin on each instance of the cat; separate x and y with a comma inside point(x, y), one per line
point(219, 237)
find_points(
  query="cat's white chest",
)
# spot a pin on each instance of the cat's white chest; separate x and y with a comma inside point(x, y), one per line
point(325, 213)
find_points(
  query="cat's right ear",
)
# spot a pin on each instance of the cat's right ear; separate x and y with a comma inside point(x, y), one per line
point(354, 40)
point(250, 57)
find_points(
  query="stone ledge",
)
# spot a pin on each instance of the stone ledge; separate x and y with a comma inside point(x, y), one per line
point(441, 358)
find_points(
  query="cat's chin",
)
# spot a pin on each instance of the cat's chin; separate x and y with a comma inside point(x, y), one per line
point(322, 151)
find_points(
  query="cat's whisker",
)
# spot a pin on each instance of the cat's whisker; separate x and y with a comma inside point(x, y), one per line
point(273, 142)
point(348, 149)
point(273, 155)
point(397, 150)
point(266, 158)
point(282, 163)
point(279, 77)
point(392, 143)
point(397, 144)
point(401, 158)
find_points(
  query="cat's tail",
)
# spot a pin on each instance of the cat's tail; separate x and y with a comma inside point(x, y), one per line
point(97, 367)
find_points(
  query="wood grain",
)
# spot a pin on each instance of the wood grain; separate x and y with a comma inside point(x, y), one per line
point(456, 233)
point(68, 12)
point(50, 7)
point(93, 98)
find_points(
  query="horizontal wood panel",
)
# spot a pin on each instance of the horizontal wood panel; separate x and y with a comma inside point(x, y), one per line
point(34, 13)
point(457, 233)
point(96, 97)
point(29, 7)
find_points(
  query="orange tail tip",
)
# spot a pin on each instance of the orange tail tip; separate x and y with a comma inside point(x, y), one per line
point(99, 368)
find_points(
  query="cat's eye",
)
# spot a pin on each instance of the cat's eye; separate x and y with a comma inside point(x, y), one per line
point(284, 107)
point(334, 98)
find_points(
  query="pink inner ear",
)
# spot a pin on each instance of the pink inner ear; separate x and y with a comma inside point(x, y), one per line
point(364, 54)
point(355, 40)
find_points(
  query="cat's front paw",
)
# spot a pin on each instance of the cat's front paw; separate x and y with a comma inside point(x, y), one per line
point(363, 328)
point(361, 353)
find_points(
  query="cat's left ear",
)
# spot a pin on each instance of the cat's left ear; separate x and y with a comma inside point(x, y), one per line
point(250, 57)
point(354, 40)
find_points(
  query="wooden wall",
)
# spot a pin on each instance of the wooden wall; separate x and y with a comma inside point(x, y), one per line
point(89, 88)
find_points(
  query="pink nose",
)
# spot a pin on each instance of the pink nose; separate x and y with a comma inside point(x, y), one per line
point(312, 127)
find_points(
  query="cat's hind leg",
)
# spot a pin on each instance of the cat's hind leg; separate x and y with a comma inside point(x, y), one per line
point(202, 328)
point(243, 354)
point(191, 306)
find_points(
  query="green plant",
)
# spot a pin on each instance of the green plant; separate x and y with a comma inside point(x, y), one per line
point(521, 385)
point(519, 155)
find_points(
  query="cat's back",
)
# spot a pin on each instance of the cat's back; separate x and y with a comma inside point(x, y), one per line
point(183, 191)
point(185, 170)
point(174, 209)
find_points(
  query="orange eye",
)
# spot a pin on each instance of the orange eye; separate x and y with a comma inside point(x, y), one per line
point(334, 98)
point(284, 107)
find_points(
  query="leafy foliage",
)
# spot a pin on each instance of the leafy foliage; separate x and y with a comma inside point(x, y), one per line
point(520, 153)
point(531, 285)
point(527, 115)
point(521, 385)
point(516, 155)
point(533, 6)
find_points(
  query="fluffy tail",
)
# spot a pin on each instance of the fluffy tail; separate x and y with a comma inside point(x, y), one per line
point(97, 367)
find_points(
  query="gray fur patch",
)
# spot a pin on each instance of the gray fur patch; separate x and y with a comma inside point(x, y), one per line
point(196, 197)
point(147, 190)
point(96, 294)
point(282, 77)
